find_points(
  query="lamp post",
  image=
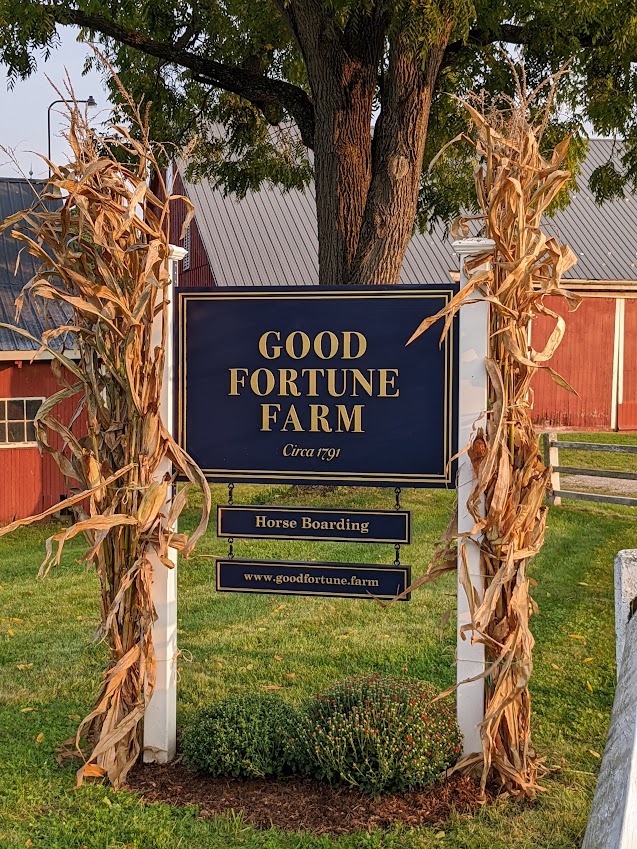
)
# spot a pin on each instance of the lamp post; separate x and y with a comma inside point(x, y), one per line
point(90, 102)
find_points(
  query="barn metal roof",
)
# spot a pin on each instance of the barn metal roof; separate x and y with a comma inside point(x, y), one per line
point(17, 194)
point(269, 237)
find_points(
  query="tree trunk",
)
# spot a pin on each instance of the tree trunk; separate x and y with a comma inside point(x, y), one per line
point(398, 150)
point(343, 79)
point(342, 165)
point(366, 192)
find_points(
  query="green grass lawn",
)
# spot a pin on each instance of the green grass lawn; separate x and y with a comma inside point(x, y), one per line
point(50, 671)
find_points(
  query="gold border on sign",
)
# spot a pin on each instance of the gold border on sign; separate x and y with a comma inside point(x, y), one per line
point(267, 475)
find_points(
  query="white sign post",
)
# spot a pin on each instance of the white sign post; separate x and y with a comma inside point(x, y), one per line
point(472, 405)
point(160, 719)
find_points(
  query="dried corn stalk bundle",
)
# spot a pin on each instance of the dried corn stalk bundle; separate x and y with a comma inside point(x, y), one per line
point(515, 184)
point(101, 237)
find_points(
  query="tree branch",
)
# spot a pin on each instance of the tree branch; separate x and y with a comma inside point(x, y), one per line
point(507, 33)
point(253, 87)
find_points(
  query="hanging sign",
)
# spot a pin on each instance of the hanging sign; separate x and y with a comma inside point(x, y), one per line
point(309, 523)
point(316, 385)
point(337, 580)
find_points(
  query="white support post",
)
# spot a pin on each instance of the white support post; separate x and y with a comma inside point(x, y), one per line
point(160, 720)
point(472, 405)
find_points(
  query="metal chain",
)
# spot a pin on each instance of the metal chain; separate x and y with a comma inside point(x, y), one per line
point(397, 494)
point(230, 539)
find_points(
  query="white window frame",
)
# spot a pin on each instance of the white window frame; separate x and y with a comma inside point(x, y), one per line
point(34, 443)
point(185, 264)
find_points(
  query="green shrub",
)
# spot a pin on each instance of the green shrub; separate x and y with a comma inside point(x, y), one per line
point(246, 736)
point(380, 734)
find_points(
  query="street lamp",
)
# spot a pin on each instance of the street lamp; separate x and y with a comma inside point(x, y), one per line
point(90, 102)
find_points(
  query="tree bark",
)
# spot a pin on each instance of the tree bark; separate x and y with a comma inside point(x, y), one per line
point(398, 150)
point(342, 166)
point(366, 192)
point(342, 70)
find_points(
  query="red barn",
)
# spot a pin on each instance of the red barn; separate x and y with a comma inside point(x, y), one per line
point(30, 482)
point(269, 238)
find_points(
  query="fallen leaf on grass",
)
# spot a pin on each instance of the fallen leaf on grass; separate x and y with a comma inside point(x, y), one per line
point(23, 666)
point(74, 716)
point(588, 687)
point(40, 737)
point(278, 657)
point(587, 660)
point(594, 754)
point(555, 666)
point(27, 709)
point(582, 583)
point(272, 687)
point(577, 636)
point(290, 674)
point(10, 633)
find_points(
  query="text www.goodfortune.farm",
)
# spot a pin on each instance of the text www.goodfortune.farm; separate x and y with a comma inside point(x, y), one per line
point(352, 581)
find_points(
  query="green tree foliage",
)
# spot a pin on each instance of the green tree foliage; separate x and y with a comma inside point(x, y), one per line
point(270, 73)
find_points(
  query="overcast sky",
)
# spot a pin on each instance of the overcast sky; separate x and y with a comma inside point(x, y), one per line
point(23, 127)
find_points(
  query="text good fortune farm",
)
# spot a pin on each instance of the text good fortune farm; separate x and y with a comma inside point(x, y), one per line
point(295, 416)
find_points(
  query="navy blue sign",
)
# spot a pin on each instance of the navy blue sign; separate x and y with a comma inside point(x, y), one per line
point(236, 520)
point(316, 385)
point(340, 580)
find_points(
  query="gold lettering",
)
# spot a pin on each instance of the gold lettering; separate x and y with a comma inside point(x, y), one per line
point(263, 345)
point(312, 374)
point(255, 381)
point(318, 344)
point(331, 382)
point(305, 345)
point(236, 381)
point(385, 380)
point(347, 344)
point(347, 419)
point(267, 416)
point(318, 416)
point(292, 418)
point(366, 383)
point(287, 386)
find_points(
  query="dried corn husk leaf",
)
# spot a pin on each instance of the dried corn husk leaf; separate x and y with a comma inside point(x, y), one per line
point(514, 183)
point(104, 254)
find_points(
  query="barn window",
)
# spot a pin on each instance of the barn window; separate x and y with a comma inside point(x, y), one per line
point(186, 261)
point(16, 420)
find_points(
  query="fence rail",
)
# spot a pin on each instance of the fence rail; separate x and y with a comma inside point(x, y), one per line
point(552, 445)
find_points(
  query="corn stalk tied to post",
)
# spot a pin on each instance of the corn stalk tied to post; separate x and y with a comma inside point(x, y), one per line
point(515, 184)
point(100, 236)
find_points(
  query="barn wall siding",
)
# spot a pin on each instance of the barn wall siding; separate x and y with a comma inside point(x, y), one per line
point(199, 272)
point(584, 359)
point(31, 482)
point(627, 412)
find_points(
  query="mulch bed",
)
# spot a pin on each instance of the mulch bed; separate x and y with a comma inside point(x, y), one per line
point(299, 804)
